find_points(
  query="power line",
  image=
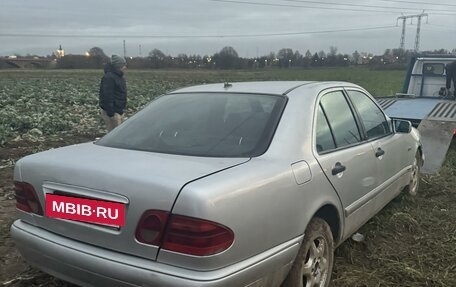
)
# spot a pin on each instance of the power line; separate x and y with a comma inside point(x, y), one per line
point(198, 36)
point(323, 8)
point(444, 27)
point(301, 6)
point(366, 6)
point(418, 3)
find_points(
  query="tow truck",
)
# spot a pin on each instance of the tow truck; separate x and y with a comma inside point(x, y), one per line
point(428, 105)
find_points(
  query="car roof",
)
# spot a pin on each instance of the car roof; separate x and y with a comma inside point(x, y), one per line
point(266, 87)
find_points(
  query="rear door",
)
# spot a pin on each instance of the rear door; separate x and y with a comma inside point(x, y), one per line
point(346, 159)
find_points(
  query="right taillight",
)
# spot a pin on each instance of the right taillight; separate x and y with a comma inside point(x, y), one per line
point(196, 236)
point(26, 198)
point(183, 234)
point(151, 226)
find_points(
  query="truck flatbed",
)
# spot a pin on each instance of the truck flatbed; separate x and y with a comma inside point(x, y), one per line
point(423, 103)
point(434, 118)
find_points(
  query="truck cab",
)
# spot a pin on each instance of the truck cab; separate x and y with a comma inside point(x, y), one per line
point(427, 78)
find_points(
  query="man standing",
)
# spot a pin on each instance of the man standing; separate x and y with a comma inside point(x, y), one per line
point(113, 92)
point(451, 76)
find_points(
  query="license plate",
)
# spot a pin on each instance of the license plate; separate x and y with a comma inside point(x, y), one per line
point(85, 210)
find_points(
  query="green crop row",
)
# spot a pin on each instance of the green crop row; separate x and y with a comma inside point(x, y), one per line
point(52, 102)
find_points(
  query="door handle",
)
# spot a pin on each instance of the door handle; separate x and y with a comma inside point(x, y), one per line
point(338, 168)
point(379, 152)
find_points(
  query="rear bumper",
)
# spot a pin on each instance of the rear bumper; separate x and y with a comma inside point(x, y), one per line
point(87, 265)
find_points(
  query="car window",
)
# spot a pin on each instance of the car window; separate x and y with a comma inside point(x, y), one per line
point(211, 124)
point(433, 68)
point(242, 107)
point(324, 138)
point(340, 119)
point(372, 117)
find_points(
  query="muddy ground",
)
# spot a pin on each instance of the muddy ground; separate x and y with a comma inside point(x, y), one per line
point(412, 242)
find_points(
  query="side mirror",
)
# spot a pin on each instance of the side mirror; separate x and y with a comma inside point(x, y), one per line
point(402, 126)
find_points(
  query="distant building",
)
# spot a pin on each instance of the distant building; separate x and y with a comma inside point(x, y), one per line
point(59, 53)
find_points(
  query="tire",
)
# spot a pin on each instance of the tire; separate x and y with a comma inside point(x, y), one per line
point(313, 264)
point(412, 188)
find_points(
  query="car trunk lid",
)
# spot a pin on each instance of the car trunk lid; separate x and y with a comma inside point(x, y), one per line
point(139, 180)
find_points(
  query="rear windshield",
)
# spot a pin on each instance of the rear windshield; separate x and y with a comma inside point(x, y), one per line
point(209, 124)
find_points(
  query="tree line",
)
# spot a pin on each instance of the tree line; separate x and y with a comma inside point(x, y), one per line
point(228, 58)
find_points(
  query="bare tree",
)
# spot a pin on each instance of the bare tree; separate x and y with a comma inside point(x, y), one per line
point(308, 54)
point(356, 57)
point(97, 52)
point(98, 57)
point(156, 53)
point(285, 57)
point(229, 51)
point(227, 58)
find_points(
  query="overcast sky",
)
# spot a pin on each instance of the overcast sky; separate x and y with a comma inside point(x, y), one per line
point(178, 26)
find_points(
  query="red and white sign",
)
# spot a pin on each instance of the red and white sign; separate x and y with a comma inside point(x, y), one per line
point(86, 210)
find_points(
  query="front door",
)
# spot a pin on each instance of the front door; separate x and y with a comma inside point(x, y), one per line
point(391, 150)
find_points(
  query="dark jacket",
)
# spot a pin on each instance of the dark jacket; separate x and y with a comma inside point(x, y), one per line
point(451, 75)
point(113, 91)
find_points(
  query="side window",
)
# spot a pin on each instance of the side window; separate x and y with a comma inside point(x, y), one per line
point(340, 119)
point(324, 138)
point(372, 117)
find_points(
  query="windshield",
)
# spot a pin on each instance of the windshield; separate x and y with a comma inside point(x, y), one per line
point(202, 124)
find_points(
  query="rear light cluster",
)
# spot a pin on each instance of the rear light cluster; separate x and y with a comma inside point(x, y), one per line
point(26, 198)
point(183, 234)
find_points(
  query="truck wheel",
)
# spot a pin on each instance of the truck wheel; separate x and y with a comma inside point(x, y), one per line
point(414, 184)
point(313, 264)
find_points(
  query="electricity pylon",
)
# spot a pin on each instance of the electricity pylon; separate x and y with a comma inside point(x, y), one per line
point(418, 28)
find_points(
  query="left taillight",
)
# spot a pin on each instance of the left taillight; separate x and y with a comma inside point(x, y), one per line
point(26, 198)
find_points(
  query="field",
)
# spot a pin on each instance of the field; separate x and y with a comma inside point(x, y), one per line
point(412, 242)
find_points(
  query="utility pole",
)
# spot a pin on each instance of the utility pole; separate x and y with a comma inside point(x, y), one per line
point(418, 28)
point(125, 49)
point(140, 51)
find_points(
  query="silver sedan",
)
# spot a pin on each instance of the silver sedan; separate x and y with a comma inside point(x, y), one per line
point(240, 184)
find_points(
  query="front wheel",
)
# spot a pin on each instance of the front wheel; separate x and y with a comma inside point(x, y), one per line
point(414, 184)
point(313, 264)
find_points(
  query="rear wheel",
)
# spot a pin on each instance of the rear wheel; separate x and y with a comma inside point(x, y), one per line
point(414, 184)
point(313, 264)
